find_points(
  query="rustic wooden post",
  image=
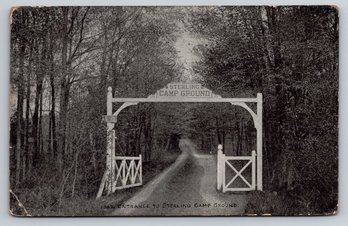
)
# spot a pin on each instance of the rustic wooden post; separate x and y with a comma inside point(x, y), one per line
point(109, 136)
point(259, 142)
point(253, 154)
point(113, 162)
point(133, 166)
point(223, 177)
point(141, 169)
point(219, 167)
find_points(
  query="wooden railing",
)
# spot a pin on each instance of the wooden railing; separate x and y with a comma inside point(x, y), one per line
point(128, 172)
point(224, 161)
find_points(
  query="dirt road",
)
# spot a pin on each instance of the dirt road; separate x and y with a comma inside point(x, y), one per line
point(188, 187)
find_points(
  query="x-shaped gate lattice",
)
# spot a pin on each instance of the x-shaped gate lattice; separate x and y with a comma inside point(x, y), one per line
point(227, 161)
point(128, 172)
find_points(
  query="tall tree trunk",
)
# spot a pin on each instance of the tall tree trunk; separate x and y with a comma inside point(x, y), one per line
point(103, 83)
point(151, 136)
point(40, 135)
point(20, 100)
point(26, 154)
point(223, 138)
point(218, 130)
point(39, 83)
point(240, 137)
point(49, 143)
point(148, 136)
point(64, 92)
point(64, 100)
point(53, 100)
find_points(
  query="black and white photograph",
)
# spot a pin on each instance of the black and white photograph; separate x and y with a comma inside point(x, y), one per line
point(173, 111)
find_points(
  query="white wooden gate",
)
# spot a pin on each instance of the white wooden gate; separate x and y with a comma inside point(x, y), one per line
point(228, 162)
point(128, 172)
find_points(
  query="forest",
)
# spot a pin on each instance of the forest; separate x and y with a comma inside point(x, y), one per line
point(63, 59)
point(290, 55)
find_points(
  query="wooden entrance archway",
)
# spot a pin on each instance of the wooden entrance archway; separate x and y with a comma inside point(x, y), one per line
point(176, 93)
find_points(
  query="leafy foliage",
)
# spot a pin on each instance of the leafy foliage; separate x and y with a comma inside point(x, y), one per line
point(290, 54)
point(63, 59)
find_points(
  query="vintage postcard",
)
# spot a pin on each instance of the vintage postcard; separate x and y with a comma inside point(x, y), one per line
point(174, 111)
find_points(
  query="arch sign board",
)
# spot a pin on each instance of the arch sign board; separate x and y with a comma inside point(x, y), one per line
point(184, 90)
point(180, 92)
